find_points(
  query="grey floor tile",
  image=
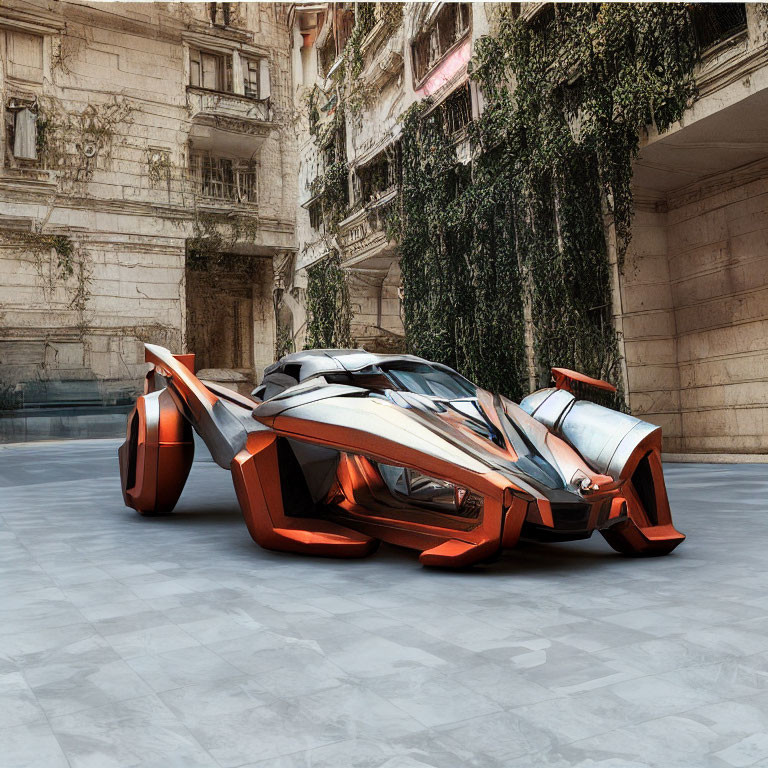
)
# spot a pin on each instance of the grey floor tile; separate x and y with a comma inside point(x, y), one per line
point(503, 736)
point(205, 701)
point(184, 666)
point(31, 745)
point(748, 751)
point(161, 638)
point(671, 742)
point(559, 656)
point(351, 712)
point(18, 703)
point(131, 734)
point(92, 680)
point(501, 684)
point(374, 656)
point(263, 733)
point(431, 697)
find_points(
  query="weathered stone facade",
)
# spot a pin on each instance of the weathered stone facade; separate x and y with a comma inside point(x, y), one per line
point(694, 290)
point(132, 131)
point(160, 180)
point(690, 303)
point(387, 85)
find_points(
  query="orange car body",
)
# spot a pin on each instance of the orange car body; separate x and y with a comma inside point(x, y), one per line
point(343, 459)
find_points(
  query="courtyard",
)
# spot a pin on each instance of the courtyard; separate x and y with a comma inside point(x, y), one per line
point(176, 641)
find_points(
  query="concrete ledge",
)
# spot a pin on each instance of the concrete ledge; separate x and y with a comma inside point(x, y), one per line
point(715, 458)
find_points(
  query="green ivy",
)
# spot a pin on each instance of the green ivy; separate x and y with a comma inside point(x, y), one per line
point(457, 238)
point(215, 237)
point(365, 19)
point(328, 307)
point(525, 224)
point(333, 191)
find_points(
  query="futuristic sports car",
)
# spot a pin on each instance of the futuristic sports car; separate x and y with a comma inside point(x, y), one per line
point(340, 449)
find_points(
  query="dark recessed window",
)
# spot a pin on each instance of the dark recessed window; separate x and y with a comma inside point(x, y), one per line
point(256, 78)
point(457, 110)
point(223, 178)
point(379, 176)
point(715, 22)
point(316, 215)
point(220, 14)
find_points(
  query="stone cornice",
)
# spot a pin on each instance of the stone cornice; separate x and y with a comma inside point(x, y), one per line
point(719, 182)
point(718, 70)
point(31, 19)
point(224, 41)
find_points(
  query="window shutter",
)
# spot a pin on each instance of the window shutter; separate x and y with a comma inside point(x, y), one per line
point(210, 71)
point(24, 56)
point(264, 84)
point(194, 67)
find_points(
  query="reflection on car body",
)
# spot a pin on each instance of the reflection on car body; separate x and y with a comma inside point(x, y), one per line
point(337, 450)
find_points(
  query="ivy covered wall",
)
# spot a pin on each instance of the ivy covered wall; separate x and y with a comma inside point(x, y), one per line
point(525, 231)
point(508, 261)
point(328, 306)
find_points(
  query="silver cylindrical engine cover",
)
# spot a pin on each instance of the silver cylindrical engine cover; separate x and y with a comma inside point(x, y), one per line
point(604, 437)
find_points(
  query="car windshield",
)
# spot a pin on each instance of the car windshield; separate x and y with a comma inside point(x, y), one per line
point(425, 380)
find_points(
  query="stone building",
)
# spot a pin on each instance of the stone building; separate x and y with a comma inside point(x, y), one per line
point(169, 172)
point(691, 303)
point(402, 60)
point(147, 191)
point(693, 299)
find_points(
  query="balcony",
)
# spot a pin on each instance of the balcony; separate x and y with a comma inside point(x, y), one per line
point(228, 122)
point(386, 62)
point(363, 235)
point(382, 46)
point(439, 41)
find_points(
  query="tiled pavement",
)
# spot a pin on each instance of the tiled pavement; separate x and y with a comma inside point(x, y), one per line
point(177, 642)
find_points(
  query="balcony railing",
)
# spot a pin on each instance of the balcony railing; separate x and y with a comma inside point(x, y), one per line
point(230, 105)
point(368, 224)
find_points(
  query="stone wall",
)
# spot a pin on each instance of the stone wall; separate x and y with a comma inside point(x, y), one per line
point(121, 191)
point(718, 264)
point(649, 327)
point(695, 299)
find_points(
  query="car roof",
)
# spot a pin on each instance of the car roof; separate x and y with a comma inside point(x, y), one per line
point(315, 362)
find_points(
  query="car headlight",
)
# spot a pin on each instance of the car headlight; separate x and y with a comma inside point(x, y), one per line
point(430, 492)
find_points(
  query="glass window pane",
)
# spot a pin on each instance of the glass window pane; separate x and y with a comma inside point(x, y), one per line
point(425, 380)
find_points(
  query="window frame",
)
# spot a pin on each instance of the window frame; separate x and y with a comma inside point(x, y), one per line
point(253, 66)
point(224, 69)
point(11, 64)
point(697, 12)
point(433, 33)
point(216, 177)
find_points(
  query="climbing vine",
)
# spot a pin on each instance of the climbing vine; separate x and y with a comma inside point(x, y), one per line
point(365, 19)
point(74, 143)
point(332, 190)
point(59, 261)
point(520, 234)
point(458, 259)
point(159, 168)
point(328, 307)
point(214, 237)
point(78, 142)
